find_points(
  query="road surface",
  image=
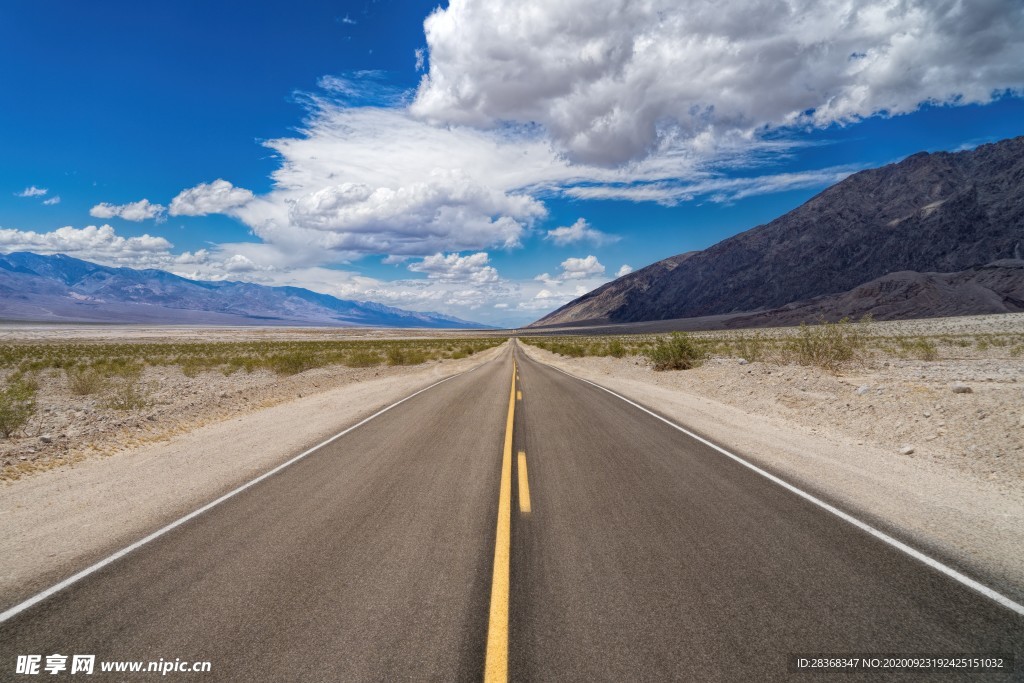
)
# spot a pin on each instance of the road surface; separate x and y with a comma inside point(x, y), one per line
point(404, 550)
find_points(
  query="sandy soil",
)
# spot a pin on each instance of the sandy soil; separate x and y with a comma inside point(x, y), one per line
point(57, 521)
point(958, 494)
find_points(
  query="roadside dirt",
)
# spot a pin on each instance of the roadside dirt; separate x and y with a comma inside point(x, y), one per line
point(959, 493)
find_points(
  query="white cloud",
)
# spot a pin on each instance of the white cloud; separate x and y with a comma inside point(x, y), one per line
point(32, 191)
point(716, 189)
point(206, 198)
point(626, 269)
point(52, 200)
point(580, 231)
point(376, 180)
point(100, 243)
point(574, 269)
point(348, 20)
point(134, 211)
point(420, 55)
point(616, 80)
point(579, 268)
point(454, 268)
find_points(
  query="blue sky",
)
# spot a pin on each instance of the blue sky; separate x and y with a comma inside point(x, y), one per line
point(493, 162)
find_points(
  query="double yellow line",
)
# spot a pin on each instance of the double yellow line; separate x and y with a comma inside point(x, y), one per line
point(496, 663)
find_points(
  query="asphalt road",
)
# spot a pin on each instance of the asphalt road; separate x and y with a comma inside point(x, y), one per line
point(645, 555)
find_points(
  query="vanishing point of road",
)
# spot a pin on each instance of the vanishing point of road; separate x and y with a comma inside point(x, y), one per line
point(513, 523)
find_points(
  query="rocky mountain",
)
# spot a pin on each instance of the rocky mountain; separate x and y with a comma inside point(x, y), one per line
point(64, 289)
point(930, 213)
point(993, 288)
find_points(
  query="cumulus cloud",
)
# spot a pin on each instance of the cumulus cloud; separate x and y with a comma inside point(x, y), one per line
point(92, 243)
point(362, 179)
point(455, 268)
point(615, 80)
point(374, 180)
point(580, 231)
point(32, 191)
point(574, 269)
point(134, 211)
point(206, 198)
point(52, 200)
point(626, 269)
point(579, 268)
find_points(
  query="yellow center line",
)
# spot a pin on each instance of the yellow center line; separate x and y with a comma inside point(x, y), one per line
point(496, 663)
point(524, 485)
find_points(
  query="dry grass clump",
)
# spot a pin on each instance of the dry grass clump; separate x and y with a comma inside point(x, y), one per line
point(85, 381)
point(677, 352)
point(17, 404)
point(828, 345)
point(88, 365)
point(128, 393)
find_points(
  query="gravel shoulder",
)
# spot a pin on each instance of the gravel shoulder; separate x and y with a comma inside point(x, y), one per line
point(59, 520)
point(958, 495)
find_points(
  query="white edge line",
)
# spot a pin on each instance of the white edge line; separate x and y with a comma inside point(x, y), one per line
point(863, 526)
point(39, 597)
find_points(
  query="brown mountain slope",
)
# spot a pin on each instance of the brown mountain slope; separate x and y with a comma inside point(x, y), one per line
point(942, 212)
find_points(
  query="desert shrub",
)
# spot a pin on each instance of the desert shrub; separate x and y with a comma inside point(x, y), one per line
point(291, 363)
point(678, 352)
point(749, 347)
point(84, 381)
point(396, 355)
point(363, 358)
point(127, 393)
point(17, 405)
point(130, 368)
point(826, 345)
point(919, 348)
point(191, 367)
point(616, 349)
point(570, 349)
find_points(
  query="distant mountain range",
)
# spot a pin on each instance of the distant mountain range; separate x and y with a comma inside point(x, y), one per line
point(935, 234)
point(64, 289)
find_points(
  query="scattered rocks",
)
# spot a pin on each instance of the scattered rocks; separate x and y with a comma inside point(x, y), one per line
point(907, 450)
point(863, 389)
point(743, 361)
point(46, 438)
point(960, 388)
